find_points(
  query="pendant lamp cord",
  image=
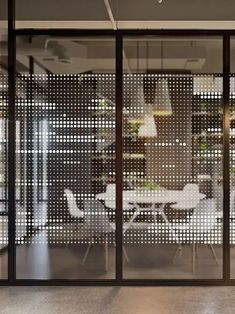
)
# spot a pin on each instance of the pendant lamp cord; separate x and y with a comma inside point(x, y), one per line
point(147, 57)
point(138, 56)
point(161, 56)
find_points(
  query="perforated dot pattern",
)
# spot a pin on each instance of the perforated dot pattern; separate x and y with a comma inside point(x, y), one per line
point(65, 158)
point(172, 158)
point(232, 159)
point(3, 159)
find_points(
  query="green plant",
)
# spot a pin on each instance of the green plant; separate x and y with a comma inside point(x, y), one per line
point(203, 107)
point(149, 185)
point(202, 147)
point(103, 104)
point(133, 126)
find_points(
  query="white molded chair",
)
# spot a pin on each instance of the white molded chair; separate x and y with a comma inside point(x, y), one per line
point(72, 205)
point(98, 226)
point(191, 188)
point(203, 220)
point(110, 190)
point(190, 198)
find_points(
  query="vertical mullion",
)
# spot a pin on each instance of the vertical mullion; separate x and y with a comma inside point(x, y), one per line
point(11, 141)
point(28, 137)
point(119, 149)
point(226, 159)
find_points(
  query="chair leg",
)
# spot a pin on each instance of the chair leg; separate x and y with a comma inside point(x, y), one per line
point(193, 257)
point(125, 255)
point(178, 251)
point(213, 253)
point(106, 253)
point(87, 252)
point(196, 251)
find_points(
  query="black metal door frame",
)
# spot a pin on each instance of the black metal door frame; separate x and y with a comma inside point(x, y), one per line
point(118, 35)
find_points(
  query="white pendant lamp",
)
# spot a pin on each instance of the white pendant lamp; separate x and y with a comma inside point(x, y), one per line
point(162, 102)
point(148, 128)
point(137, 104)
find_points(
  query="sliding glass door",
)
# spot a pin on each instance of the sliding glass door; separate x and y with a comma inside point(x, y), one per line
point(65, 158)
point(172, 157)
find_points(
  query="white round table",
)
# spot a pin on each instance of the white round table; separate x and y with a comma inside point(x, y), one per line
point(153, 197)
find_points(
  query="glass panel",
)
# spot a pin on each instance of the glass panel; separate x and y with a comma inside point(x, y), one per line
point(172, 158)
point(66, 158)
point(232, 159)
point(3, 141)
point(137, 14)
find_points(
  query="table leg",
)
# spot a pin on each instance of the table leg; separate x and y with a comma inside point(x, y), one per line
point(154, 214)
point(161, 211)
point(136, 213)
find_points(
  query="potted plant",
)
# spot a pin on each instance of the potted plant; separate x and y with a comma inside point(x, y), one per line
point(133, 128)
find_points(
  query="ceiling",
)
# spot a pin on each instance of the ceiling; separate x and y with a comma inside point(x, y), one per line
point(141, 10)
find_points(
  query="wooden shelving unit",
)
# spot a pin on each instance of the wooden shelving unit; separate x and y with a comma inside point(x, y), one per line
point(207, 139)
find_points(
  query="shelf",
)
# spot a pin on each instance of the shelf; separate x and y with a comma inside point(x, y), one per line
point(114, 179)
point(207, 135)
point(104, 157)
point(204, 177)
point(133, 156)
point(207, 157)
point(101, 179)
point(203, 113)
point(104, 112)
point(114, 157)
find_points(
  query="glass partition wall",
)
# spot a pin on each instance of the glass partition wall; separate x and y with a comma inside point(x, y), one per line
point(65, 158)
point(172, 159)
point(120, 154)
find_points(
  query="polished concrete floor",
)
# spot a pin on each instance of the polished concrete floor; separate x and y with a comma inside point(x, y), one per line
point(43, 261)
point(145, 262)
point(49, 261)
point(40, 260)
point(110, 300)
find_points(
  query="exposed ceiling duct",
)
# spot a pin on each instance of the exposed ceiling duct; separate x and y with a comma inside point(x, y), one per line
point(58, 50)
